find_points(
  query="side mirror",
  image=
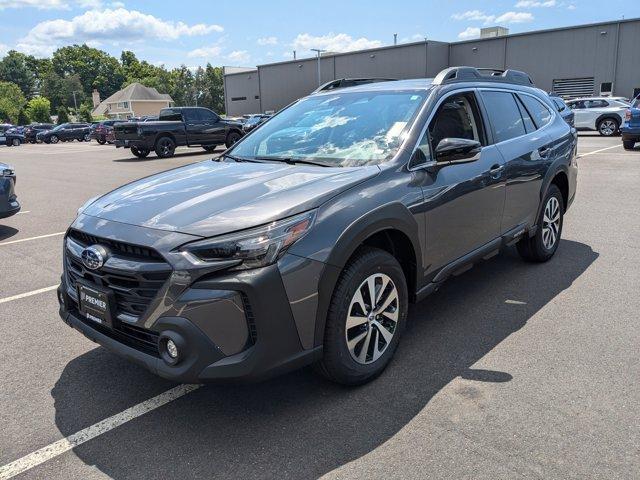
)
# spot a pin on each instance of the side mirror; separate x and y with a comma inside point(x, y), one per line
point(453, 150)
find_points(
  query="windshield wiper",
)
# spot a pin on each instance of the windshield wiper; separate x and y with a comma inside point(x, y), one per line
point(293, 161)
point(235, 158)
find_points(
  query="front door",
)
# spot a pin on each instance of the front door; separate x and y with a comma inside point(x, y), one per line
point(463, 202)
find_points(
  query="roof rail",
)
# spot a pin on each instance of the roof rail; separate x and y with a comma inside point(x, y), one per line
point(470, 74)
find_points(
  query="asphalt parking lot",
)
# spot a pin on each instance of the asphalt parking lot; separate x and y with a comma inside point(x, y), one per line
point(511, 370)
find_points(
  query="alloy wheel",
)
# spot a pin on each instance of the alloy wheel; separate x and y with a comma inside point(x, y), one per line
point(608, 127)
point(53, 139)
point(372, 318)
point(16, 142)
point(551, 223)
point(166, 146)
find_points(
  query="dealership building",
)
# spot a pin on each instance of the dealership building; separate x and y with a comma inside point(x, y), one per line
point(601, 58)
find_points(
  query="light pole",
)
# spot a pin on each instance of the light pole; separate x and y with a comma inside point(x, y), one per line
point(75, 104)
point(319, 51)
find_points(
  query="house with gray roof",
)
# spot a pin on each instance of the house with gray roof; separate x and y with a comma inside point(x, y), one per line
point(135, 100)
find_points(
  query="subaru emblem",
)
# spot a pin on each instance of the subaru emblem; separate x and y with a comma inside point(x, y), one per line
point(94, 257)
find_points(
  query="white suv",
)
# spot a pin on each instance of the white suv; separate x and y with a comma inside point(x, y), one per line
point(604, 114)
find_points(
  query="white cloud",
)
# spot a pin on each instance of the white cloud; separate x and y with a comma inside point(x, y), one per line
point(239, 56)
point(57, 4)
point(536, 4)
point(205, 52)
point(112, 25)
point(3, 49)
point(507, 17)
point(268, 41)
point(340, 42)
point(571, 7)
point(514, 17)
point(469, 32)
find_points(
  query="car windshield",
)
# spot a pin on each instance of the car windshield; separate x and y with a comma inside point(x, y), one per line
point(59, 127)
point(341, 129)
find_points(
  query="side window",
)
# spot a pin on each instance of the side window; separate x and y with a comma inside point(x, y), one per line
point(207, 116)
point(526, 118)
point(559, 104)
point(538, 111)
point(457, 117)
point(504, 115)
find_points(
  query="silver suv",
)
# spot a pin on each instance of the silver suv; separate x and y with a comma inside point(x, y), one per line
point(604, 114)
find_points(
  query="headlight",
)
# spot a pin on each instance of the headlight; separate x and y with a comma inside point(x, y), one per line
point(86, 204)
point(253, 248)
point(8, 172)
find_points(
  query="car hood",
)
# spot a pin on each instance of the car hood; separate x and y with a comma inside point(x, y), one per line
point(212, 198)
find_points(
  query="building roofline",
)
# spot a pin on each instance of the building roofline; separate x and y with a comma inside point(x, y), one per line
point(547, 30)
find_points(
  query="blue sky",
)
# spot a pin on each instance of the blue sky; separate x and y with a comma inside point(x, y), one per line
point(249, 33)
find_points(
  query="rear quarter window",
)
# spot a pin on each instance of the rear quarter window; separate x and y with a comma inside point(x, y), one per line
point(170, 115)
point(539, 112)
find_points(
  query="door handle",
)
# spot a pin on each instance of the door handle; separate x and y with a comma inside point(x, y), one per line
point(496, 170)
point(544, 151)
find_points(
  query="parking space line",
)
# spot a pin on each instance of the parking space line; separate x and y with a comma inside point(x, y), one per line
point(598, 151)
point(64, 445)
point(31, 238)
point(28, 294)
point(23, 212)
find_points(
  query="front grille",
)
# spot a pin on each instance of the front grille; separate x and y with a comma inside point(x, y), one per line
point(115, 246)
point(134, 288)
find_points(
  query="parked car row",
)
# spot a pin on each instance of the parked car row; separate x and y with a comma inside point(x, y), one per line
point(10, 135)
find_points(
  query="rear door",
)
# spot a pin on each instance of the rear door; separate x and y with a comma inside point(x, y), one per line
point(194, 125)
point(581, 114)
point(214, 129)
point(463, 201)
point(518, 120)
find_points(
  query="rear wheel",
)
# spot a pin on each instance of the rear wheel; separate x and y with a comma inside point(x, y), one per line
point(15, 142)
point(366, 318)
point(101, 140)
point(232, 138)
point(165, 147)
point(544, 243)
point(628, 144)
point(608, 127)
point(140, 152)
point(87, 137)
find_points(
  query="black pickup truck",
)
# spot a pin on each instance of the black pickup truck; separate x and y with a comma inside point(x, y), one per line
point(177, 126)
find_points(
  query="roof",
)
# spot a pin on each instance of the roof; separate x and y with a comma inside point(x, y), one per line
point(134, 92)
point(390, 86)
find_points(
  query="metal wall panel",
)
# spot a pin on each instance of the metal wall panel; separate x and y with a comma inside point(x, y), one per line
point(480, 53)
point(282, 83)
point(408, 61)
point(240, 85)
point(628, 68)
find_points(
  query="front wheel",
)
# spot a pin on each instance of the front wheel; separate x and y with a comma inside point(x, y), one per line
point(54, 139)
point(140, 152)
point(165, 147)
point(232, 138)
point(366, 318)
point(15, 142)
point(628, 144)
point(209, 148)
point(544, 243)
point(101, 140)
point(608, 127)
point(87, 137)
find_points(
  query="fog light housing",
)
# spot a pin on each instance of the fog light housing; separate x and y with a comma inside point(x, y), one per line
point(172, 349)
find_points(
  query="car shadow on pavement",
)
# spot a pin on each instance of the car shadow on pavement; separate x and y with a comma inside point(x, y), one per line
point(152, 156)
point(299, 425)
point(7, 232)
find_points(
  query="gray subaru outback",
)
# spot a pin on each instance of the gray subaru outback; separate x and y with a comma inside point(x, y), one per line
point(305, 242)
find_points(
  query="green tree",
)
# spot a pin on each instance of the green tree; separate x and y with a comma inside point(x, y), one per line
point(39, 109)
point(60, 90)
point(94, 68)
point(11, 100)
point(15, 68)
point(23, 118)
point(84, 113)
point(63, 115)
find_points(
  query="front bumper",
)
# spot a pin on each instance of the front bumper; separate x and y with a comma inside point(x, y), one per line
point(9, 204)
point(228, 325)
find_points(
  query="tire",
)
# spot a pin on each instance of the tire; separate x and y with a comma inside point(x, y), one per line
point(356, 363)
point(16, 142)
point(101, 141)
point(87, 137)
point(33, 141)
point(544, 243)
point(232, 138)
point(165, 147)
point(53, 139)
point(608, 127)
point(140, 152)
point(628, 144)
point(209, 148)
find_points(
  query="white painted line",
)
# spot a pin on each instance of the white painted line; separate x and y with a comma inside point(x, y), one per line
point(28, 294)
point(31, 238)
point(23, 212)
point(61, 446)
point(515, 302)
point(598, 151)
